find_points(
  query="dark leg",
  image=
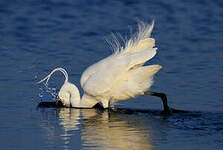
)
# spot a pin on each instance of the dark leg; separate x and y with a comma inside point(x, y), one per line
point(163, 97)
point(110, 108)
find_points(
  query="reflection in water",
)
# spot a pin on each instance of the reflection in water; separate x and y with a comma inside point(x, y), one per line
point(110, 132)
point(101, 130)
point(93, 129)
point(69, 120)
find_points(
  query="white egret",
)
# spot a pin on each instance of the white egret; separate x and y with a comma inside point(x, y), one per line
point(119, 76)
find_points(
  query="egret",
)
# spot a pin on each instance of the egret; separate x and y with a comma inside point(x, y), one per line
point(120, 76)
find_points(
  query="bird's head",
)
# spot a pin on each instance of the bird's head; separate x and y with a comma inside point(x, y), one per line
point(68, 95)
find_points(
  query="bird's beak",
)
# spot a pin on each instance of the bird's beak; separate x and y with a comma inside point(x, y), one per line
point(58, 101)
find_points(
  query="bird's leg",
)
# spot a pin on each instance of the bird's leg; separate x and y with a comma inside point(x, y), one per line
point(111, 105)
point(109, 108)
point(163, 98)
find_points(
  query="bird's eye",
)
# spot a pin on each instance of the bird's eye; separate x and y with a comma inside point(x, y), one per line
point(57, 97)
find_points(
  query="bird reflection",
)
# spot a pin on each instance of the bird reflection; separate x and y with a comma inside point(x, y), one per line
point(69, 118)
point(104, 130)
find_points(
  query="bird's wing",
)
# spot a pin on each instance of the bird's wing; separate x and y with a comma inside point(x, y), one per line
point(113, 70)
point(140, 41)
point(140, 45)
point(136, 81)
point(93, 69)
point(106, 72)
point(140, 58)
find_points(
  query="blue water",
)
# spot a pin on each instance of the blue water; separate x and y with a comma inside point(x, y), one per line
point(37, 36)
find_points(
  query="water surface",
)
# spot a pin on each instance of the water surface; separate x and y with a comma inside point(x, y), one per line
point(37, 36)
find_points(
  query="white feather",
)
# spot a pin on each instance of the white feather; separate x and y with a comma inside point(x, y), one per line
point(138, 42)
point(117, 77)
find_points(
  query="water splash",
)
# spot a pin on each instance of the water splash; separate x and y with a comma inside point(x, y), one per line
point(45, 90)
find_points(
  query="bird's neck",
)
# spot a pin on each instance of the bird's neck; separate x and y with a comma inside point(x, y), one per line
point(85, 101)
point(75, 99)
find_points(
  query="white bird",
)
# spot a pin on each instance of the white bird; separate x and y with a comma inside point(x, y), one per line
point(119, 76)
